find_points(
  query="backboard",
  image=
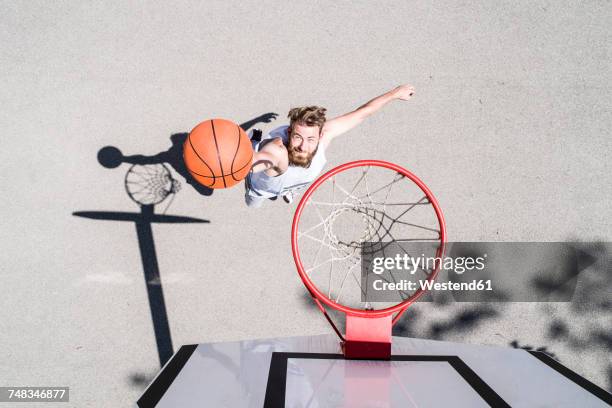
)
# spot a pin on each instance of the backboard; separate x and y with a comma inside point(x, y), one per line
point(311, 372)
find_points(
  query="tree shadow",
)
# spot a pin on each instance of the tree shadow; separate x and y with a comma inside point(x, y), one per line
point(515, 344)
point(585, 332)
point(405, 327)
point(140, 380)
point(590, 301)
point(462, 321)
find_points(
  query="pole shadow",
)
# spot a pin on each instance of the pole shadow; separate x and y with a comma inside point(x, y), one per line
point(148, 255)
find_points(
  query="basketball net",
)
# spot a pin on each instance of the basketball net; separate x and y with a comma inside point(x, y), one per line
point(343, 216)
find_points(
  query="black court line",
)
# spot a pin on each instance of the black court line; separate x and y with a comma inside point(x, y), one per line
point(212, 125)
point(160, 385)
point(201, 159)
point(277, 378)
point(571, 375)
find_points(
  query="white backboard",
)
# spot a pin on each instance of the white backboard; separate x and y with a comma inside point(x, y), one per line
point(311, 372)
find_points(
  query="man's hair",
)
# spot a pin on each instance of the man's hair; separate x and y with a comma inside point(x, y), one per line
point(308, 116)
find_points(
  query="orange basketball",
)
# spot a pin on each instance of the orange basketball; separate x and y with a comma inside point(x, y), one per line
point(218, 153)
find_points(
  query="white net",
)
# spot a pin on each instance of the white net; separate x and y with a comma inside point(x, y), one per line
point(356, 212)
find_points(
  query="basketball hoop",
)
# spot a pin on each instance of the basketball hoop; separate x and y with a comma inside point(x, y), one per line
point(349, 207)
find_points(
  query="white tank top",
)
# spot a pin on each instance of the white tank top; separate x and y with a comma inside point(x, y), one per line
point(293, 179)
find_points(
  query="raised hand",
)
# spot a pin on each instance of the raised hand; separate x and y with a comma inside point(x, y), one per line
point(404, 92)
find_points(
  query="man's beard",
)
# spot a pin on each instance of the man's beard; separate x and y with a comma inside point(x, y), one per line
point(300, 159)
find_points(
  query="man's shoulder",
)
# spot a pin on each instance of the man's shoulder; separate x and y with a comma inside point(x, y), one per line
point(273, 144)
point(277, 151)
point(275, 141)
point(280, 131)
point(276, 148)
point(282, 128)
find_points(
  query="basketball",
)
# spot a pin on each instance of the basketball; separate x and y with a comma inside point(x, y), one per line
point(218, 153)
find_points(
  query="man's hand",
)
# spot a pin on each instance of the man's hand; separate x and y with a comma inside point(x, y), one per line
point(404, 92)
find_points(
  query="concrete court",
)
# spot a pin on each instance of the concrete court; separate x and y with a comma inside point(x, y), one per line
point(510, 128)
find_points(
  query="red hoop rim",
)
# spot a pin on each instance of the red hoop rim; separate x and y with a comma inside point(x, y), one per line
point(294, 238)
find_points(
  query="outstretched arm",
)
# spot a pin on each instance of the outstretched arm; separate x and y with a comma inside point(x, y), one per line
point(342, 124)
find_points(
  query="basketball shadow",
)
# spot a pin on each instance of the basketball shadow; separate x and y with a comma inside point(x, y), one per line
point(111, 157)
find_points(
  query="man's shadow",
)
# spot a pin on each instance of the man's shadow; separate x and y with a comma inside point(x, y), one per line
point(111, 157)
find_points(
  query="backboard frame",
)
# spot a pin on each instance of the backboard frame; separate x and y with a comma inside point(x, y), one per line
point(171, 379)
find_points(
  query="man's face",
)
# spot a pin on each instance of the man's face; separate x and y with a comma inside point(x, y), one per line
point(303, 144)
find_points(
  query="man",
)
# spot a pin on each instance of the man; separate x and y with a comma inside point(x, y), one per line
point(291, 157)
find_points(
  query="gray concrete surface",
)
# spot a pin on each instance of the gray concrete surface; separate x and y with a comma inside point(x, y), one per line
point(510, 128)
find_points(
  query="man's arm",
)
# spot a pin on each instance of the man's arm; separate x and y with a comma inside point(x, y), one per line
point(272, 157)
point(263, 161)
point(342, 124)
